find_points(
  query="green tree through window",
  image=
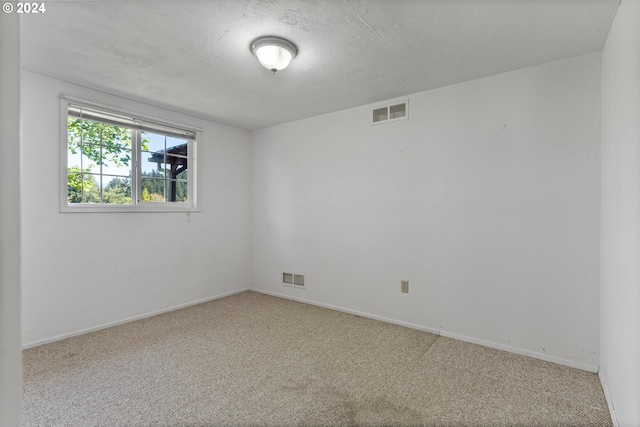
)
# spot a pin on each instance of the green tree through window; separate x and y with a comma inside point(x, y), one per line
point(115, 160)
point(99, 165)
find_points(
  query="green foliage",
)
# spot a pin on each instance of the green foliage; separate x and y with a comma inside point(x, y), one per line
point(146, 197)
point(153, 188)
point(108, 145)
point(74, 180)
point(101, 144)
point(181, 191)
point(145, 141)
point(89, 137)
point(82, 188)
point(153, 184)
point(117, 192)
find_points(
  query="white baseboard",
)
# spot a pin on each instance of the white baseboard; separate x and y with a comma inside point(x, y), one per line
point(607, 395)
point(444, 333)
point(349, 311)
point(130, 319)
point(522, 352)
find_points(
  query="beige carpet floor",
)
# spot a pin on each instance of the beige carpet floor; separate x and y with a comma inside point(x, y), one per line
point(253, 359)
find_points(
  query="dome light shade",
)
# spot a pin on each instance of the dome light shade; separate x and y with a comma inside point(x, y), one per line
point(273, 53)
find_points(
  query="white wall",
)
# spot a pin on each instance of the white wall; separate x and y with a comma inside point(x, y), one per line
point(620, 238)
point(10, 355)
point(87, 270)
point(486, 200)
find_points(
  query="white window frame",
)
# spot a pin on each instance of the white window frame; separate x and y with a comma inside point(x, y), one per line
point(194, 169)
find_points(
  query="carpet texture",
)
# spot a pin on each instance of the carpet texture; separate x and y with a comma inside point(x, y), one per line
point(252, 359)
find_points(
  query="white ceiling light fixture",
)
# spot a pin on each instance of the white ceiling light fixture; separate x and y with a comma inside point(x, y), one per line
point(274, 53)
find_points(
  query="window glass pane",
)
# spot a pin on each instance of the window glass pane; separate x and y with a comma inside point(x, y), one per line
point(90, 191)
point(90, 158)
point(181, 189)
point(88, 130)
point(74, 158)
point(118, 156)
point(116, 136)
point(177, 145)
point(82, 188)
point(152, 164)
point(184, 175)
point(73, 131)
point(175, 165)
point(152, 190)
point(116, 163)
point(116, 190)
point(152, 142)
point(74, 185)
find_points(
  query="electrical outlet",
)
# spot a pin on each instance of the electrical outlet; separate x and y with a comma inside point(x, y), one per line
point(404, 286)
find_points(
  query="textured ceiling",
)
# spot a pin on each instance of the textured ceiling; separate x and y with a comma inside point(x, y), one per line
point(194, 56)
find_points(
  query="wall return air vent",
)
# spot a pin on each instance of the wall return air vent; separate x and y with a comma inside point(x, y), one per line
point(391, 113)
point(293, 279)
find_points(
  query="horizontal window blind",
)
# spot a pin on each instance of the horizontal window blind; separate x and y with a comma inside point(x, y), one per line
point(86, 113)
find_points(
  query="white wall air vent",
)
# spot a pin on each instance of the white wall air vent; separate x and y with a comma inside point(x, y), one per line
point(380, 114)
point(287, 278)
point(391, 113)
point(293, 279)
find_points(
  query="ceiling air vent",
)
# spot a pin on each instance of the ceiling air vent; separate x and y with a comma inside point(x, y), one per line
point(391, 113)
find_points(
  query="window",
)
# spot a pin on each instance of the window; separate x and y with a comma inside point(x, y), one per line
point(113, 162)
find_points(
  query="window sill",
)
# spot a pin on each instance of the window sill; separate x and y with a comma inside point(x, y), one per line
point(80, 208)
